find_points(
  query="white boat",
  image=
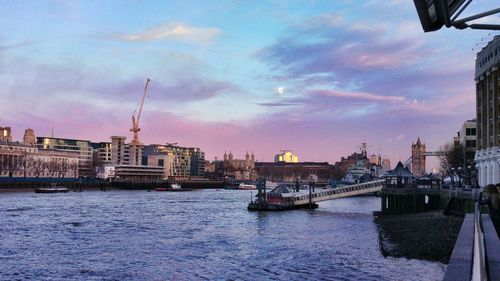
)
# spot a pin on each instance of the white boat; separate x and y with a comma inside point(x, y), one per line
point(247, 186)
point(271, 185)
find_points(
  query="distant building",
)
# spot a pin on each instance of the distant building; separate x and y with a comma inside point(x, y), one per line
point(133, 172)
point(418, 158)
point(386, 164)
point(103, 152)
point(5, 134)
point(468, 138)
point(120, 151)
point(374, 159)
point(82, 147)
point(290, 172)
point(399, 177)
point(27, 160)
point(177, 161)
point(286, 156)
point(239, 169)
point(487, 79)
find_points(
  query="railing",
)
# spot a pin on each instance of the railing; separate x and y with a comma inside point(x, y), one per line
point(476, 256)
point(479, 260)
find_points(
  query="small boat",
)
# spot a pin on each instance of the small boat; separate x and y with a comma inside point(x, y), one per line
point(173, 187)
point(243, 186)
point(51, 189)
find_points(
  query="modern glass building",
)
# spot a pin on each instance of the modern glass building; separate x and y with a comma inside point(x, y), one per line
point(83, 147)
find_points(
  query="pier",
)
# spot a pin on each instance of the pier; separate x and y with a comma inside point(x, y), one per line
point(298, 199)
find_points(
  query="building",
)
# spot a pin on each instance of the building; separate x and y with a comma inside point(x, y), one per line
point(467, 138)
point(29, 161)
point(399, 177)
point(386, 164)
point(290, 172)
point(132, 172)
point(487, 77)
point(418, 158)
point(5, 134)
point(177, 161)
point(102, 153)
point(286, 156)
point(82, 147)
point(239, 169)
point(120, 151)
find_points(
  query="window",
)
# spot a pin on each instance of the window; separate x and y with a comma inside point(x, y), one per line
point(470, 131)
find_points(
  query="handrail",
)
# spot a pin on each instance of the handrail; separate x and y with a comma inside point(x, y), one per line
point(479, 260)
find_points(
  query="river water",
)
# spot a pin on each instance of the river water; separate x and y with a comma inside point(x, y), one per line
point(199, 235)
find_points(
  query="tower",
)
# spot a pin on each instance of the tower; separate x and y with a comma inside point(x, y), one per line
point(225, 156)
point(418, 158)
point(29, 137)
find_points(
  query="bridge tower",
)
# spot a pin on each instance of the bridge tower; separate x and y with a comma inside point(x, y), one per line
point(418, 158)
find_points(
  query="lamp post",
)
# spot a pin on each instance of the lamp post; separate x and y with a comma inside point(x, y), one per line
point(460, 175)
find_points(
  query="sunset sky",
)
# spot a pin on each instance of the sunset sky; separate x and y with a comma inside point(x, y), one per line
point(316, 77)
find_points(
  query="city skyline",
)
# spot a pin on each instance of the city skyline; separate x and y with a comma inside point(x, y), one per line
point(317, 78)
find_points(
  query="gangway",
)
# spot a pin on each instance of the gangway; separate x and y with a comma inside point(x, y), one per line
point(297, 200)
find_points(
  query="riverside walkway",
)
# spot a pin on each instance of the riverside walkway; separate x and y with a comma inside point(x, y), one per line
point(476, 255)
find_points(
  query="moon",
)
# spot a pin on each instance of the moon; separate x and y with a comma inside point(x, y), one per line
point(280, 90)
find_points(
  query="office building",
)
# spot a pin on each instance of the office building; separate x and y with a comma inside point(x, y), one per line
point(487, 77)
point(82, 147)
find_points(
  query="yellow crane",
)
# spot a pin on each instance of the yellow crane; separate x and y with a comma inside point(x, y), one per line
point(135, 122)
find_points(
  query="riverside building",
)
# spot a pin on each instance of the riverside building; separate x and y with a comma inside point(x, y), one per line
point(82, 147)
point(487, 79)
point(29, 161)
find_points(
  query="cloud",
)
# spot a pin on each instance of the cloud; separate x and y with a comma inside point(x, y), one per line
point(172, 31)
point(361, 96)
point(396, 138)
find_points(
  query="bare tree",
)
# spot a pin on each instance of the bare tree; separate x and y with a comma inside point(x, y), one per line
point(74, 169)
point(11, 164)
point(2, 164)
point(52, 167)
point(38, 167)
point(62, 168)
point(97, 164)
point(25, 162)
point(452, 157)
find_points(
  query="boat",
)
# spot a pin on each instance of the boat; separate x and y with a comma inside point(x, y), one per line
point(51, 189)
point(173, 187)
point(243, 186)
point(271, 185)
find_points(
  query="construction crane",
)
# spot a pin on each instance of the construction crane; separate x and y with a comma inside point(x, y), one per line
point(135, 122)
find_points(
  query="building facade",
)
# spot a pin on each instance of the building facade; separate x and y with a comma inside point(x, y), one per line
point(286, 156)
point(418, 158)
point(467, 138)
point(177, 161)
point(239, 169)
point(29, 161)
point(487, 77)
point(82, 147)
point(5, 134)
point(291, 172)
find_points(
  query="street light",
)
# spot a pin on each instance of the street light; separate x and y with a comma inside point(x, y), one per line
point(435, 14)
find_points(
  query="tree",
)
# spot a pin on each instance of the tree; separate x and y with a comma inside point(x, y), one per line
point(38, 167)
point(62, 168)
point(25, 162)
point(52, 167)
point(11, 164)
point(2, 164)
point(97, 164)
point(454, 156)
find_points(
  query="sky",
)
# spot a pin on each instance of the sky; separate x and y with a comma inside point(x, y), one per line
point(315, 77)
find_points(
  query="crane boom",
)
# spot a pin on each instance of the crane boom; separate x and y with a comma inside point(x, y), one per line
point(142, 101)
point(135, 122)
